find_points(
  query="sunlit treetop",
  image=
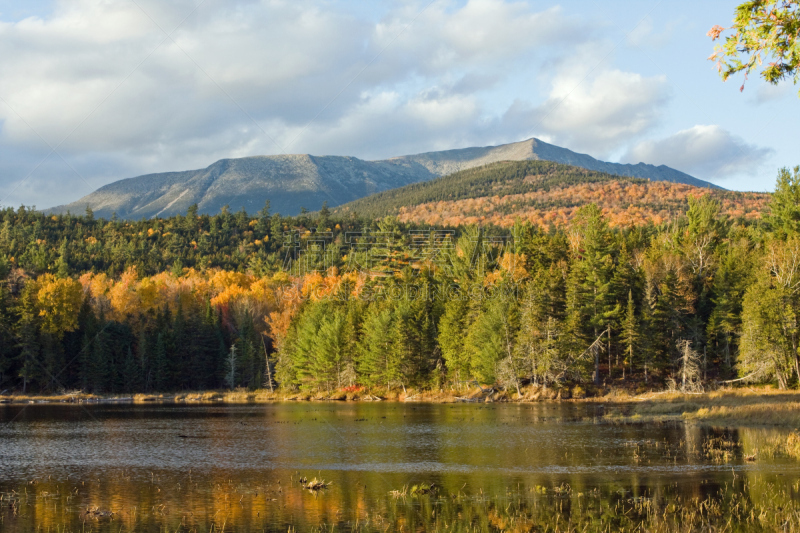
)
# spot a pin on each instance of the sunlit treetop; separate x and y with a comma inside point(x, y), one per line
point(766, 37)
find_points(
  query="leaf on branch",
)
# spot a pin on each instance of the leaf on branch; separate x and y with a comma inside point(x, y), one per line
point(715, 31)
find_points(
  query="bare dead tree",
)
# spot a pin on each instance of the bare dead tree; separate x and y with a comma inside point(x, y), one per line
point(231, 378)
point(690, 367)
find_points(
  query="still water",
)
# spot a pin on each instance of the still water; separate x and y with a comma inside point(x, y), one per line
point(173, 467)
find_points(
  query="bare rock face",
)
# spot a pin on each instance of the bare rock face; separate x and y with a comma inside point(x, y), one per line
point(294, 181)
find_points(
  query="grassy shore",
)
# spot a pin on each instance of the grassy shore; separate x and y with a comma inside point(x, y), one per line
point(748, 406)
point(740, 406)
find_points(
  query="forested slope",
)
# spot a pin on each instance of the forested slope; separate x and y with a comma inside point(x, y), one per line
point(544, 193)
point(324, 302)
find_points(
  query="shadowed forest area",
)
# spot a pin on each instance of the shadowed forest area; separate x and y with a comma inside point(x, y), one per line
point(324, 302)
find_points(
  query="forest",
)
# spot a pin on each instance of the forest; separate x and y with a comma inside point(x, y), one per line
point(545, 194)
point(332, 301)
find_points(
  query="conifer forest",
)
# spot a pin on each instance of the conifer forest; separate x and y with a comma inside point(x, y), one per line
point(325, 301)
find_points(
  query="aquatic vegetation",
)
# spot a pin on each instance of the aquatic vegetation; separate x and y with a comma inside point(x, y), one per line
point(742, 505)
point(315, 484)
point(422, 489)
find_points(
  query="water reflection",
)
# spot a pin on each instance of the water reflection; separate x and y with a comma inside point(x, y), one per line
point(205, 468)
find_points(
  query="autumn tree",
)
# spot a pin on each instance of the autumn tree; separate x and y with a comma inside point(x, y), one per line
point(766, 37)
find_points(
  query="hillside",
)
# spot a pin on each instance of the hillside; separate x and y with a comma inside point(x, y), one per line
point(543, 193)
point(291, 182)
point(450, 161)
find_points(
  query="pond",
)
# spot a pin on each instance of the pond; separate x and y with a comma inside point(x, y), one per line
point(520, 467)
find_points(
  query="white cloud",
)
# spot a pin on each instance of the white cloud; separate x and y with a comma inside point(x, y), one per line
point(592, 107)
point(480, 32)
point(645, 35)
point(707, 152)
point(101, 81)
point(315, 76)
point(766, 92)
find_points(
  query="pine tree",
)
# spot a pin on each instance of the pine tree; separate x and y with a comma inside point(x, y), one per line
point(162, 375)
point(630, 333)
point(131, 375)
point(540, 324)
point(28, 337)
point(405, 359)
point(301, 352)
point(263, 221)
point(100, 372)
point(62, 266)
point(731, 281)
point(376, 364)
point(491, 337)
point(276, 232)
point(591, 307)
point(784, 208)
point(327, 361)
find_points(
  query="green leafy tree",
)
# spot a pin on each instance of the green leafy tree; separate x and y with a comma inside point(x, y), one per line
point(766, 36)
point(768, 351)
point(771, 316)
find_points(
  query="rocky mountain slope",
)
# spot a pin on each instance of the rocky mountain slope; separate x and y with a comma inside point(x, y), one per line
point(291, 182)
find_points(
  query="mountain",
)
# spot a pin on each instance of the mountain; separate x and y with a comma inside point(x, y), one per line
point(294, 181)
point(450, 161)
point(544, 193)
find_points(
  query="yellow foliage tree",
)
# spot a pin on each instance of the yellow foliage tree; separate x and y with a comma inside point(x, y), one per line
point(59, 303)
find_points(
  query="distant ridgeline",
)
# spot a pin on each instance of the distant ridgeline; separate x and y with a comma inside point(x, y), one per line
point(544, 193)
point(326, 301)
point(291, 182)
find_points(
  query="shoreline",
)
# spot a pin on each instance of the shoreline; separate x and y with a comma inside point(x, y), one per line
point(746, 407)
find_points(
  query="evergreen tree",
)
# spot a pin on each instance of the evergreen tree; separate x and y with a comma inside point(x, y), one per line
point(590, 299)
point(630, 333)
point(62, 266)
point(491, 338)
point(328, 357)
point(784, 207)
point(99, 375)
point(541, 316)
point(263, 222)
point(376, 363)
point(28, 337)
point(131, 376)
point(162, 374)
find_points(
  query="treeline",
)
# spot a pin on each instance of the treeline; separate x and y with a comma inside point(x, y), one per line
point(502, 178)
point(624, 203)
point(322, 302)
point(534, 189)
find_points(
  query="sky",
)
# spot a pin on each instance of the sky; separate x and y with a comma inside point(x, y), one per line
point(93, 91)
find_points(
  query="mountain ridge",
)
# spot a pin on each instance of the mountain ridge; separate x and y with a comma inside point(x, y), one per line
point(545, 194)
point(294, 181)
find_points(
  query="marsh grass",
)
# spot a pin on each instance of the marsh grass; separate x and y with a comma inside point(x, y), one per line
point(742, 407)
